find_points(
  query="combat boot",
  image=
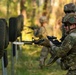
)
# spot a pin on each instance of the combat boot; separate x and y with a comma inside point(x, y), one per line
point(41, 63)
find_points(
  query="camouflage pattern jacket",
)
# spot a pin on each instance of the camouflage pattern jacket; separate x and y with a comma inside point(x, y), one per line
point(67, 51)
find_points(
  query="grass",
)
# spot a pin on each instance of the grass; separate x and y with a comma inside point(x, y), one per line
point(27, 63)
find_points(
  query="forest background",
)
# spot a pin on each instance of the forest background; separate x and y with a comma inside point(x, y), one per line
point(32, 10)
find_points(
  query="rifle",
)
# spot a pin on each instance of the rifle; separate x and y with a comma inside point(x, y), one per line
point(33, 27)
point(41, 41)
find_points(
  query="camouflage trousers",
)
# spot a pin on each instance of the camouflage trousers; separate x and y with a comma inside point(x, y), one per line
point(43, 56)
point(71, 72)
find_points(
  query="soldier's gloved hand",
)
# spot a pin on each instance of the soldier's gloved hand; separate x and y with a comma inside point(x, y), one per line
point(45, 42)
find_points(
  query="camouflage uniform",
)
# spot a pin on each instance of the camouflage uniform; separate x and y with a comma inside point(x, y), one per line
point(45, 50)
point(67, 50)
point(43, 56)
point(41, 32)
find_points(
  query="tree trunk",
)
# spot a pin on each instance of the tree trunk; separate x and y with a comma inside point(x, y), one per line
point(22, 2)
point(23, 10)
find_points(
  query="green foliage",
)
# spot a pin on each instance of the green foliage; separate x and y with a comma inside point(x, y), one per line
point(3, 2)
point(28, 6)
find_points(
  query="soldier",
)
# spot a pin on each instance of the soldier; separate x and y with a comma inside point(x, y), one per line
point(42, 33)
point(67, 50)
point(68, 8)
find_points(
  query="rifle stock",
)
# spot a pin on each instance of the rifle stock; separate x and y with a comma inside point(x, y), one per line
point(33, 27)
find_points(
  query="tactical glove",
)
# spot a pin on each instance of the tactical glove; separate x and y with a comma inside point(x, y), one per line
point(45, 43)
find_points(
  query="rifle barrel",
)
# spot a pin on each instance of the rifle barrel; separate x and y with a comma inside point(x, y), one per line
point(23, 42)
point(28, 42)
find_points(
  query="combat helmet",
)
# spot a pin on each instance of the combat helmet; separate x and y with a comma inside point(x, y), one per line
point(43, 19)
point(70, 18)
point(68, 8)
